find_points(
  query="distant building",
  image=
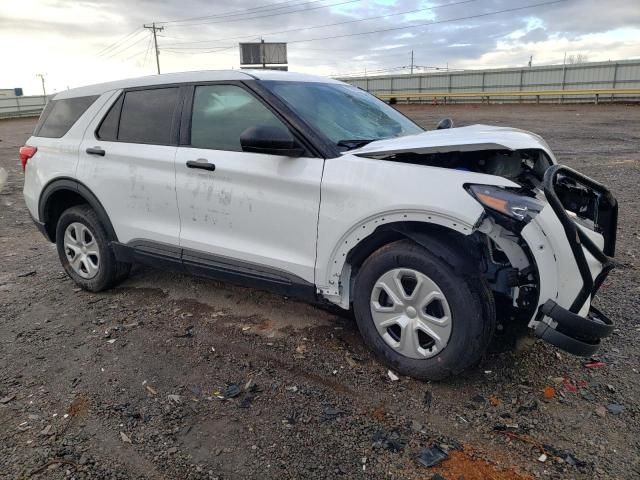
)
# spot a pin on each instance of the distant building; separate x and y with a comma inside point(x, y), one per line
point(11, 92)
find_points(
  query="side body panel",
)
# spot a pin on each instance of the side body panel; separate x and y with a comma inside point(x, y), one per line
point(135, 183)
point(360, 194)
point(56, 157)
point(261, 209)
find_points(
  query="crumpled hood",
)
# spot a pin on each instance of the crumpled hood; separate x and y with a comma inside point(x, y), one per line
point(474, 137)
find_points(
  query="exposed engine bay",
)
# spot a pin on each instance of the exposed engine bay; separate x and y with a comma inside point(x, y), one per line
point(525, 167)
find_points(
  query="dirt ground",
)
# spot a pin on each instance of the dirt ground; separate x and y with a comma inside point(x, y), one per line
point(175, 377)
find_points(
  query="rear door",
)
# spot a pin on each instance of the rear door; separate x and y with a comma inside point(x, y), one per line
point(254, 211)
point(127, 160)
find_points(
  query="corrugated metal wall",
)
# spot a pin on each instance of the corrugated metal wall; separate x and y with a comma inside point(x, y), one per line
point(596, 75)
point(21, 106)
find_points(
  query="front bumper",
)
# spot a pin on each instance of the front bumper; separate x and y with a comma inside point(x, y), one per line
point(569, 322)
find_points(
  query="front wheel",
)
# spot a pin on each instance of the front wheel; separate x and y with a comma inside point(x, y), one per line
point(85, 251)
point(420, 315)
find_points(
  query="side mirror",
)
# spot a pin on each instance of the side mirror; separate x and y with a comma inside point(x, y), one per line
point(270, 140)
point(444, 123)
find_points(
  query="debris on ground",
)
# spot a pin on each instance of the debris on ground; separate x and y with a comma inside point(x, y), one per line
point(330, 413)
point(615, 409)
point(392, 376)
point(232, 391)
point(246, 401)
point(151, 390)
point(7, 399)
point(593, 364)
point(27, 274)
point(542, 458)
point(431, 456)
point(188, 333)
point(125, 438)
point(601, 411)
point(388, 441)
point(174, 398)
point(549, 392)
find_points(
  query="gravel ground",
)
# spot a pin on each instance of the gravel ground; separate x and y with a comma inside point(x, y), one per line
point(169, 376)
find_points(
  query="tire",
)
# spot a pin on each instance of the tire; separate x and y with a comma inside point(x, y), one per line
point(79, 227)
point(461, 304)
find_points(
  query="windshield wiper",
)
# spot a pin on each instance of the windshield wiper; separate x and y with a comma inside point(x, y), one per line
point(355, 143)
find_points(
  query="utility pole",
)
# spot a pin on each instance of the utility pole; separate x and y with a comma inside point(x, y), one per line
point(411, 62)
point(530, 61)
point(155, 29)
point(44, 91)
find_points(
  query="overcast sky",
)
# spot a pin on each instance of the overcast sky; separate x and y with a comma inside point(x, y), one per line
point(77, 42)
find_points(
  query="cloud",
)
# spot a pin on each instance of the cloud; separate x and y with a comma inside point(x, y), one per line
point(65, 37)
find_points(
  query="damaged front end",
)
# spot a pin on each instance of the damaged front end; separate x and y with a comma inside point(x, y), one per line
point(547, 250)
point(546, 242)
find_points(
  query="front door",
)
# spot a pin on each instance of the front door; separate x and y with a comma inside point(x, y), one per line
point(254, 211)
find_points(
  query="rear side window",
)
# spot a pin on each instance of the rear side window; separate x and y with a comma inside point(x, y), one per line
point(147, 116)
point(60, 115)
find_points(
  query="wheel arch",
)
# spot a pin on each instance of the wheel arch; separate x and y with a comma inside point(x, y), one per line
point(446, 236)
point(63, 193)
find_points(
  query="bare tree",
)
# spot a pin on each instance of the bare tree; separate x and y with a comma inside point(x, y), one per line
point(578, 58)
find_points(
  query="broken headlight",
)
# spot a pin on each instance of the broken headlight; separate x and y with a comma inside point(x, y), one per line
point(506, 201)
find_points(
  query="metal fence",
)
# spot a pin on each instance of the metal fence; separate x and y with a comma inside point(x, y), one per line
point(21, 106)
point(611, 80)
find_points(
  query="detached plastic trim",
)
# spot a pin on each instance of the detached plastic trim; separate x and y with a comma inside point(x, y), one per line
point(573, 333)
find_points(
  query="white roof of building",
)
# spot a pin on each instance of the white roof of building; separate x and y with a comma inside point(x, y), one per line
point(187, 77)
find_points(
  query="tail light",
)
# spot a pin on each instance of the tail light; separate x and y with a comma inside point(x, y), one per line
point(26, 153)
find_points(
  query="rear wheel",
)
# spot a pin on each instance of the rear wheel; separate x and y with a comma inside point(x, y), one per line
point(420, 315)
point(85, 251)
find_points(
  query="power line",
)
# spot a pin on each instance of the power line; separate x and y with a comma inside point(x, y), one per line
point(233, 13)
point(331, 24)
point(109, 47)
point(470, 17)
point(427, 24)
point(146, 53)
point(119, 52)
point(263, 16)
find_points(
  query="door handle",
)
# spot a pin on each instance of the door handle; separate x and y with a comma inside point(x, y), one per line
point(201, 163)
point(96, 151)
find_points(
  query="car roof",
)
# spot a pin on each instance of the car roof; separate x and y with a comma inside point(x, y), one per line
point(186, 77)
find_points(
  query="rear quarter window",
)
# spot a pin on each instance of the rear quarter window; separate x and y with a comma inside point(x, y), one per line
point(60, 115)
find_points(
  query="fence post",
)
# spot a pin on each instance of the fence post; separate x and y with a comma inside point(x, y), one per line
point(615, 79)
point(18, 106)
point(564, 77)
point(521, 80)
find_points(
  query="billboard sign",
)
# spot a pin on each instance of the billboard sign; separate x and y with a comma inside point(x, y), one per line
point(263, 53)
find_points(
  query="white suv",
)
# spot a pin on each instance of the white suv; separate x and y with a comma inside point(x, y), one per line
point(312, 188)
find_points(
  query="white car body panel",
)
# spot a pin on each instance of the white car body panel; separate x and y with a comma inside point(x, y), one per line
point(261, 209)
point(360, 194)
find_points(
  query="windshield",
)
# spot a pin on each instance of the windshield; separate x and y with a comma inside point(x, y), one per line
point(348, 116)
